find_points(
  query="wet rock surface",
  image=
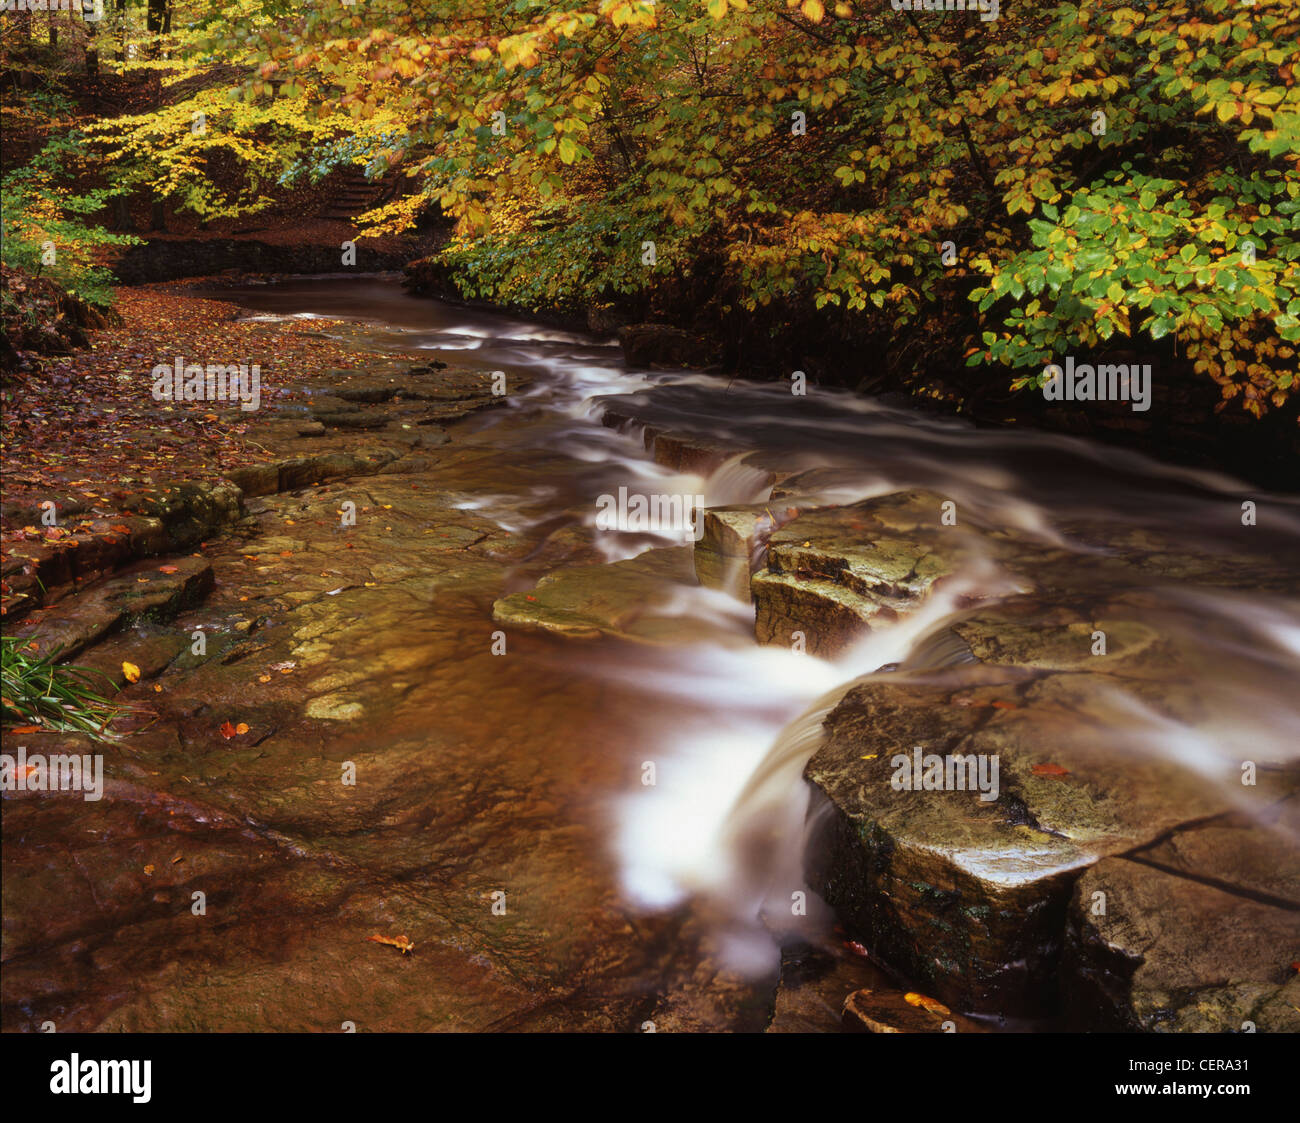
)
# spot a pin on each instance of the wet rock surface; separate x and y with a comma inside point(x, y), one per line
point(1075, 689)
point(231, 881)
point(1197, 933)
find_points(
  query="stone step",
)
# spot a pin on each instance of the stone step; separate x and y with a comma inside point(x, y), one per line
point(165, 517)
point(145, 592)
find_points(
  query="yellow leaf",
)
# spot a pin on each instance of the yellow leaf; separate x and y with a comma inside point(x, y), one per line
point(931, 1004)
point(813, 9)
point(131, 672)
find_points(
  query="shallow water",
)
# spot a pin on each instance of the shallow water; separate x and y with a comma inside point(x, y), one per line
point(726, 724)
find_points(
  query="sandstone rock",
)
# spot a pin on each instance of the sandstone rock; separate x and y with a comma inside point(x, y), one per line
point(1198, 933)
point(831, 572)
point(890, 1011)
point(592, 600)
point(728, 547)
point(139, 594)
point(968, 897)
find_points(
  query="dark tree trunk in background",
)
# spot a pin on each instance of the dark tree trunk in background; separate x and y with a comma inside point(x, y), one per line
point(122, 214)
point(92, 38)
point(158, 21)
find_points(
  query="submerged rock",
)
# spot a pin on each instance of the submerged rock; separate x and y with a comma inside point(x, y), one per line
point(893, 1011)
point(618, 599)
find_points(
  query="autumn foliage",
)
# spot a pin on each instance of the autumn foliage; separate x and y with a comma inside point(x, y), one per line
point(1079, 177)
point(1108, 174)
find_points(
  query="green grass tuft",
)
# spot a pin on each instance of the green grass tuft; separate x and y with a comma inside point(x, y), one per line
point(41, 691)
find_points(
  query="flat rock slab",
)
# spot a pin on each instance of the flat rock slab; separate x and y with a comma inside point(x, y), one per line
point(832, 573)
point(618, 599)
point(1198, 932)
point(149, 591)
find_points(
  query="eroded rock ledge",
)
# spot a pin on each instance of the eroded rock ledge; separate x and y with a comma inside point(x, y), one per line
point(1113, 880)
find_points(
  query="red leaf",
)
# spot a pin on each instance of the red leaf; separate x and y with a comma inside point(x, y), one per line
point(1050, 770)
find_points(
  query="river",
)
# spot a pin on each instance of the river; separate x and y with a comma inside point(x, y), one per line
point(649, 905)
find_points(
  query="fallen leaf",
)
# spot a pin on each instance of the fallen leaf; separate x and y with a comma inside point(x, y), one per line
point(931, 1004)
point(401, 943)
point(167, 569)
point(131, 672)
point(1050, 770)
point(25, 728)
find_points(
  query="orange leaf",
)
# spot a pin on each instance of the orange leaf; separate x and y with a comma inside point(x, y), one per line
point(1050, 770)
point(25, 729)
point(227, 730)
point(167, 569)
point(131, 672)
point(931, 1004)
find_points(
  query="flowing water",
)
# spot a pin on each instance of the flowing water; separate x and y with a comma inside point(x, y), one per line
point(729, 725)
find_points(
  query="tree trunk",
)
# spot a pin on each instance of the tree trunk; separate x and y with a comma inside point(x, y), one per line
point(122, 214)
point(157, 21)
point(92, 38)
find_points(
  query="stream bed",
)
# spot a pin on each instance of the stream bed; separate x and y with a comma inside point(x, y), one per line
point(578, 779)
